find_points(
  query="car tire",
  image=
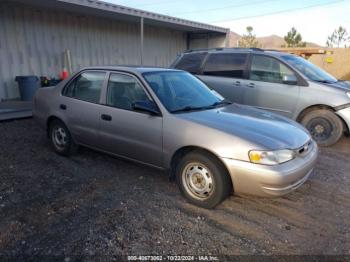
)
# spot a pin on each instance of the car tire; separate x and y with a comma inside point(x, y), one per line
point(324, 125)
point(61, 139)
point(202, 179)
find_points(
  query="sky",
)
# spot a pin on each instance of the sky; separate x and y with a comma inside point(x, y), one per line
point(314, 19)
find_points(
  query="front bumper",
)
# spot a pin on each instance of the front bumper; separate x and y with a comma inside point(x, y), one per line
point(345, 115)
point(270, 181)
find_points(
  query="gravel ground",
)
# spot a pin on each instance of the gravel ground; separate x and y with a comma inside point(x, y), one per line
point(94, 204)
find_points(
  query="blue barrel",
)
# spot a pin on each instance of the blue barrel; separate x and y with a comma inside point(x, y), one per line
point(27, 86)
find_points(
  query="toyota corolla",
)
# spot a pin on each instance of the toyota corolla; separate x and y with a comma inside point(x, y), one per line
point(170, 120)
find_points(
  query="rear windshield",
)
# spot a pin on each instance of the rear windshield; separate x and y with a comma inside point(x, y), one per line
point(191, 62)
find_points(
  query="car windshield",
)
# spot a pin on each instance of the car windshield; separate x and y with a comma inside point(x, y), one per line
point(311, 71)
point(180, 91)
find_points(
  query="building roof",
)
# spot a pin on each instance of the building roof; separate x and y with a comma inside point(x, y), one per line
point(100, 8)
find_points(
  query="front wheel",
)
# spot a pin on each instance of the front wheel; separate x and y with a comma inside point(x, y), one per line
point(324, 125)
point(202, 179)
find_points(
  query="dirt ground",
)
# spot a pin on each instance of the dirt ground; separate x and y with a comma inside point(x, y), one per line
point(94, 204)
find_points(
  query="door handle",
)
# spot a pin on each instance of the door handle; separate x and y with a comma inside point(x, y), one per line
point(251, 85)
point(237, 83)
point(106, 117)
point(63, 107)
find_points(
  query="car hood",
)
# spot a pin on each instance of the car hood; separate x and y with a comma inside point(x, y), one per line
point(264, 129)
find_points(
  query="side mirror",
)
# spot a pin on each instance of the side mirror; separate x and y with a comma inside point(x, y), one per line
point(290, 80)
point(147, 106)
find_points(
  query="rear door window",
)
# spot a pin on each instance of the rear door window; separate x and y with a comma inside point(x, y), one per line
point(226, 65)
point(191, 62)
point(87, 86)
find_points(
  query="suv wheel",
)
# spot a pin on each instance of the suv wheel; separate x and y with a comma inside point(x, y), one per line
point(61, 139)
point(202, 179)
point(325, 127)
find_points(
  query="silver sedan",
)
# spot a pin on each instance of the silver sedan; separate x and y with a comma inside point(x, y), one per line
point(170, 120)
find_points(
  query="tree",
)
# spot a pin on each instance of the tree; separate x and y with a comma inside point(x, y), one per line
point(294, 39)
point(249, 39)
point(338, 38)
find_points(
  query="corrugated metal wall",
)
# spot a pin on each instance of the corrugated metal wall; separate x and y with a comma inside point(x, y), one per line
point(32, 41)
point(161, 46)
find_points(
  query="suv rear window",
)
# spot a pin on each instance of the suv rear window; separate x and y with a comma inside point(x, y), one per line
point(191, 62)
point(226, 65)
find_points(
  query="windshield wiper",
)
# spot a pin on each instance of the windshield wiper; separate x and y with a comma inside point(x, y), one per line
point(325, 81)
point(187, 108)
point(222, 102)
point(190, 108)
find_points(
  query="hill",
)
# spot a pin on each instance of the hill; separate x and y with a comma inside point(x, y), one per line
point(272, 41)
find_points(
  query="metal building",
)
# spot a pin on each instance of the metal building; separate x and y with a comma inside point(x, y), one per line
point(34, 35)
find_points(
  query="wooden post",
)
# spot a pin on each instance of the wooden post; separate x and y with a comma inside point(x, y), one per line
point(141, 38)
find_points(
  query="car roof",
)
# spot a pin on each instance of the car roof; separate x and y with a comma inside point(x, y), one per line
point(130, 68)
point(239, 50)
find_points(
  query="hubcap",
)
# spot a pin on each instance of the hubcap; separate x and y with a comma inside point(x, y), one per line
point(320, 128)
point(198, 180)
point(59, 137)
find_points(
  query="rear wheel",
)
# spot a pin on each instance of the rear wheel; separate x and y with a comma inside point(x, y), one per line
point(202, 179)
point(61, 139)
point(324, 125)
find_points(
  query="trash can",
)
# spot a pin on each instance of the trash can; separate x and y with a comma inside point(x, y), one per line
point(27, 86)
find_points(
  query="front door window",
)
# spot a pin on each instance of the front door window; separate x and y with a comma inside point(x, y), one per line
point(123, 91)
point(268, 69)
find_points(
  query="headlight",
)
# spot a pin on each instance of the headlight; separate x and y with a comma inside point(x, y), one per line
point(348, 93)
point(271, 157)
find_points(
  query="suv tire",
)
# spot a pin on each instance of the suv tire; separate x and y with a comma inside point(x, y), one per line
point(324, 125)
